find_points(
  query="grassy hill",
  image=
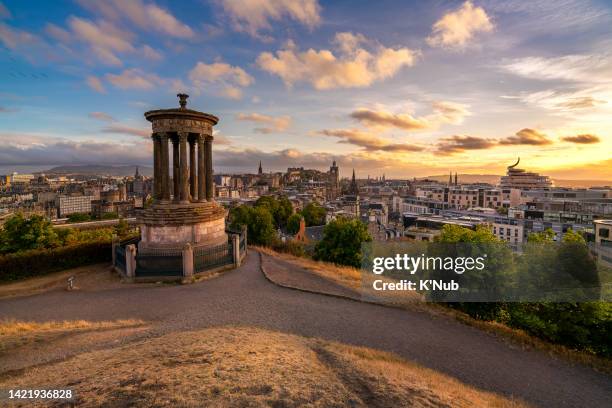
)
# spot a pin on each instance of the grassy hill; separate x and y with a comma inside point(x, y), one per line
point(244, 366)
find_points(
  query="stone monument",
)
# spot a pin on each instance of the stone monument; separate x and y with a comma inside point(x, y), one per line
point(183, 210)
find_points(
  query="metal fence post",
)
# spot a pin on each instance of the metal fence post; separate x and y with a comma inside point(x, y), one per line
point(114, 247)
point(187, 260)
point(130, 260)
point(244, 232)
point(236, 245)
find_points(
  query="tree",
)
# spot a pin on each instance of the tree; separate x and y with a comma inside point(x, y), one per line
point(109, 216)
point(341, 243)
point(19, 234)
point(79, 217)
point(480, 287)
point(280, 209)
point(314, 214)
point(293, 223)
point(122, 229)
point(259, 222)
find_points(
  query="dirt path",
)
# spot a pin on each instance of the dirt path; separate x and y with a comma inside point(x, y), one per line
point(245, 297)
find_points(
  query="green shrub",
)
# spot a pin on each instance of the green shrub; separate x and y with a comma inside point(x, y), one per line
point(35, 262)
point(294, 248)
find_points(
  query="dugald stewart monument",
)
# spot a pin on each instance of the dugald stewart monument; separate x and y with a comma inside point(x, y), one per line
point(182, 232)
point(183, 209)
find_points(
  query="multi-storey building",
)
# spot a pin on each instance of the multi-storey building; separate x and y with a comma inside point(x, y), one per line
point(67, 205)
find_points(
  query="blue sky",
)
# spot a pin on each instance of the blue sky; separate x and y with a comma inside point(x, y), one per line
point(401, 88)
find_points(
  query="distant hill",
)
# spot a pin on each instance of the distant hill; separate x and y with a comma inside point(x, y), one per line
point(91, 169)
point(494, 179)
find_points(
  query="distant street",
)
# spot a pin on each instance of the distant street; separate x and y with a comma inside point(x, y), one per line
point(245, 297)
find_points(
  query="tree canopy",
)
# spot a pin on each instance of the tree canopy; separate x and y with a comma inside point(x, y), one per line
point(341, 243)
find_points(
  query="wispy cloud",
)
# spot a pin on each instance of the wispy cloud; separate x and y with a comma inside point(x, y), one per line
point(255, 16)
point(95, 84)
point(230, 79)
point(105, 117)
point(369, 141)
point(461, 143)
point(147, 16)
point(272, 124)
point(443, 112)
point(582, 139)
point(127, 130)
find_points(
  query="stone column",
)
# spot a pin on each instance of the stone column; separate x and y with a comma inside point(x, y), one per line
point(130, 261)
point(175, 169)
point(184, 173)
point(157, 182)
point(164, 167)
point(236, 246)
point(201, 169)
point(209, 168)
point(187, 260)
point(193, 178)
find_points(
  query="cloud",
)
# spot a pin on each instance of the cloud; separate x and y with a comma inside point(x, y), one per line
point(58, 33)
point(449, 112)
point(148, 16)
point(457, 28)
point(104, 39)
point(230, 79)
point(127, 130)
point(275, 124)
point(95, 84)
point(4, 12)
point(386, 119)
point(582, 139)
point(526, 136)
point(459, 144)
point(29, 149)
point(150, 53)
point(588, 68)
point(368, 141)
point(105, 117)
point(134, 78)
point(166, 22)
point(13, 38)
point(7, 110)
point(582, 102)
point(254, 16)
point(443, 112)
point(352, 66)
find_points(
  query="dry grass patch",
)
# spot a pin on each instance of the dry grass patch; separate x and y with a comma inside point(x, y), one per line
point(344, 275)
point(14, 333)
point(238, 366)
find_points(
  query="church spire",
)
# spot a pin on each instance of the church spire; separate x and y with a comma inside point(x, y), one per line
point(456, 178)
point(260, 170)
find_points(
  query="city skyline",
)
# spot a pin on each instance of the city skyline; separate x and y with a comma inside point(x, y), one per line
point(467, 86)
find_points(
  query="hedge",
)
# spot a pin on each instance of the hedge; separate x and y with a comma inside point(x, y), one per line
point(35, 262)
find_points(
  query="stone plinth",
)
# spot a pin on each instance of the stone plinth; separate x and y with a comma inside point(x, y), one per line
point(173, 225)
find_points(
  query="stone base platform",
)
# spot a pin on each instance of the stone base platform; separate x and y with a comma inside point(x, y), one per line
point(172, 225)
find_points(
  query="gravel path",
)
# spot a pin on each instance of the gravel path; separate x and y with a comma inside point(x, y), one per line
point(245, 297)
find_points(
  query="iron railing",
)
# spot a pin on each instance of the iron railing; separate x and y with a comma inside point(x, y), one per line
point(213, 257)
point(120, 257)
point(157, 262)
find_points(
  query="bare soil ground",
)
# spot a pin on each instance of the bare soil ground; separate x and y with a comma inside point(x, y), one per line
point(91, 277)
point(245, 366)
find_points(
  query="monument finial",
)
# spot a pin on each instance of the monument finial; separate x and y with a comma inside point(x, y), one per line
point(182, 100)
